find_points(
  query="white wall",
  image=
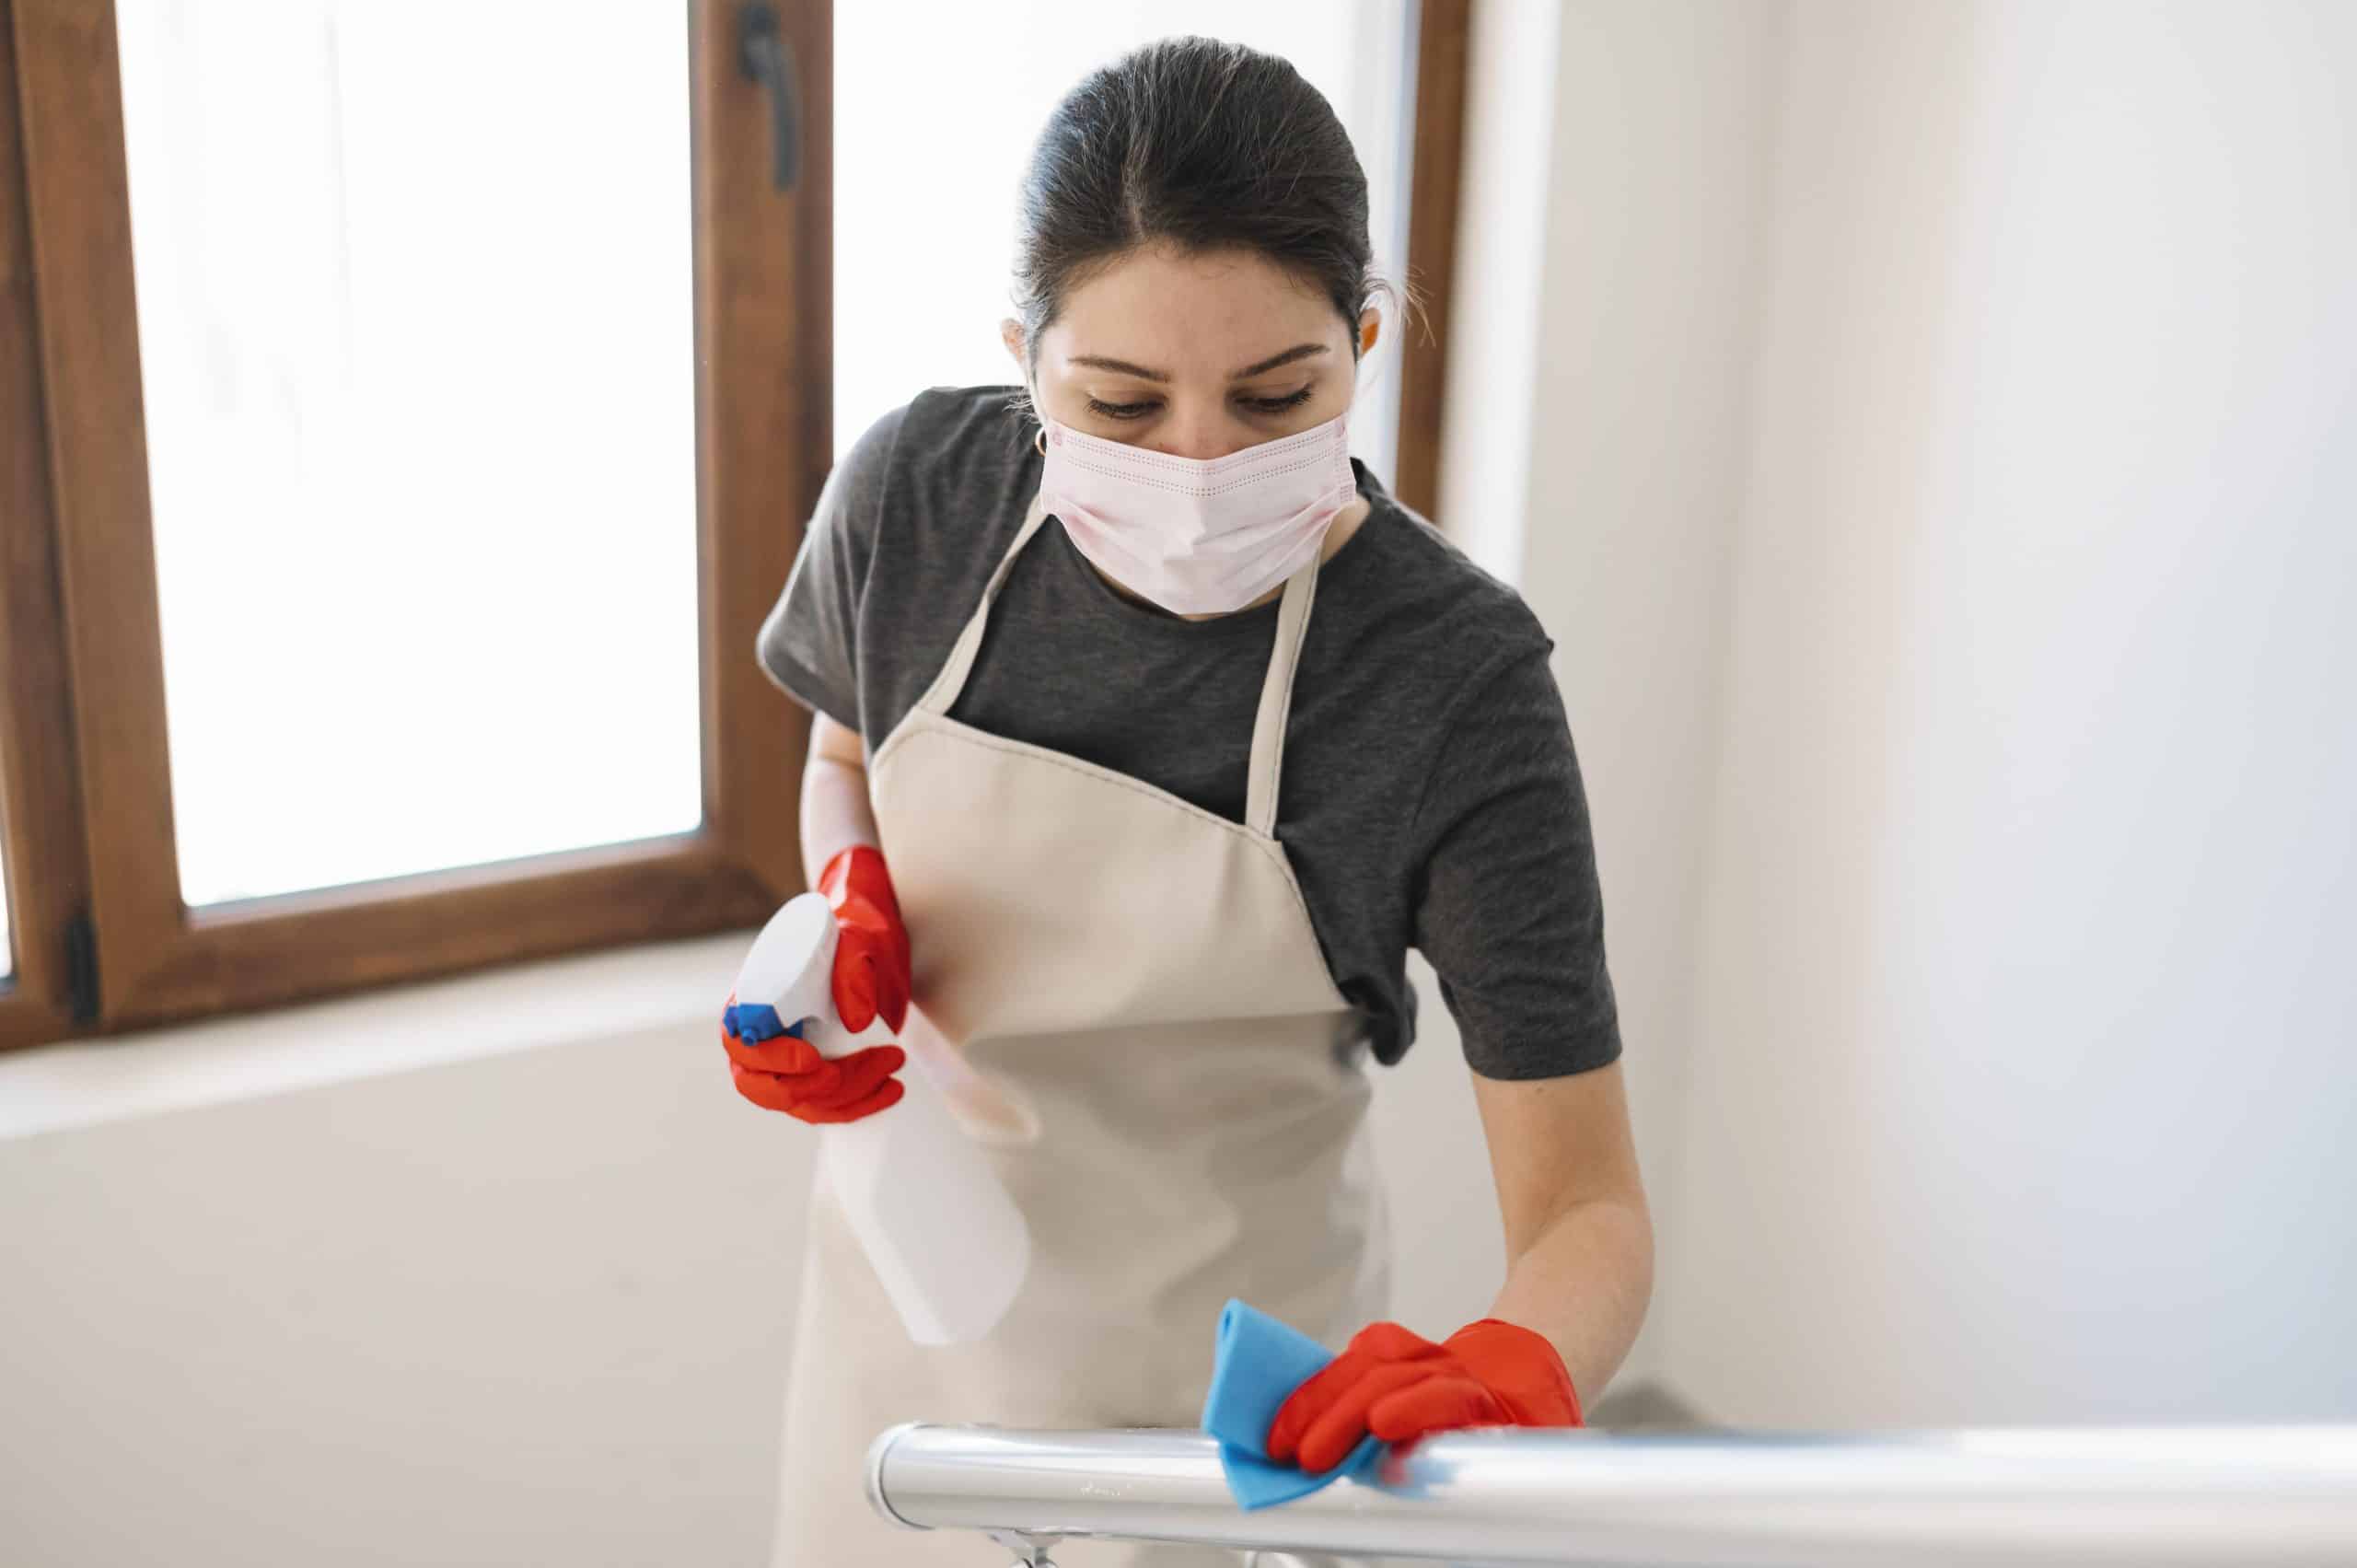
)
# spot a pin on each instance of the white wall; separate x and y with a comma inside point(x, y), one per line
point(1598, 458)
point(522, 1307)
point(1934, 460)
point(2021, 1084)
point(1501, 259)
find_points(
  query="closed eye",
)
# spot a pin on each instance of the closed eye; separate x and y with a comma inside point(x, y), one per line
point(1290, 401)
point(1277, 405)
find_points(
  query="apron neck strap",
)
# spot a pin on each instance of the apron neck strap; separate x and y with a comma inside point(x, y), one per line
point(1276, 700)
point(1276, 688)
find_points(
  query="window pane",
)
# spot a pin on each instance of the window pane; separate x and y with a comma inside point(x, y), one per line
point(924, 202)
point(415, 320)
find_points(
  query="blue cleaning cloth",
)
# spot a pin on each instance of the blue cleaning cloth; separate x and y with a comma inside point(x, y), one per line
point(1260, 1362)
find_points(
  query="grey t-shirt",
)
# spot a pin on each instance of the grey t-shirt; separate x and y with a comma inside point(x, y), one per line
point(1430, 795)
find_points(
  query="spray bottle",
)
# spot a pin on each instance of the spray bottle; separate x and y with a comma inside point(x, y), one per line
point(949, 1244)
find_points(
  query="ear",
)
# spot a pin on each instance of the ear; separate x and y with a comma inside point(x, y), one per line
point(1370, 329)
point(1010, 332)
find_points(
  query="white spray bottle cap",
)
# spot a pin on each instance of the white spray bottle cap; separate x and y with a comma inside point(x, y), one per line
point(792, 966)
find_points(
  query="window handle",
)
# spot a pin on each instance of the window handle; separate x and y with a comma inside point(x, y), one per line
point(763, 54)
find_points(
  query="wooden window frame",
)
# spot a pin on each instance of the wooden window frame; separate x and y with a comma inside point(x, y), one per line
point(1444, 42)
point(41, 810)
point(103, 941)
point(91, 844)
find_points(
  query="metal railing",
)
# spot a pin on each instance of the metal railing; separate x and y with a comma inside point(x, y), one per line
point(2149, 1496)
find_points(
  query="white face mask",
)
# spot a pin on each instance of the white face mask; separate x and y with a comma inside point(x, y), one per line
point(1200, 537)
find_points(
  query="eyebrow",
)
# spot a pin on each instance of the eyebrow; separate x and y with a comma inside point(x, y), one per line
point(1123, 368)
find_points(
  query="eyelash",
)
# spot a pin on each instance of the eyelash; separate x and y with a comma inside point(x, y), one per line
point(1257, 405)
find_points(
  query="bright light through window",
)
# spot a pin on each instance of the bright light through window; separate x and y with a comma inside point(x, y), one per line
point(414, 320)
point(931, 138)
point(7, 945)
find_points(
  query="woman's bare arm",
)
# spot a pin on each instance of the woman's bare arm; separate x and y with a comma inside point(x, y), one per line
point(1579, 1240)
point(835, 813)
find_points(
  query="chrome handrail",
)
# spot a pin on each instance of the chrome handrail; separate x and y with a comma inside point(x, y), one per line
point(2177, 1495)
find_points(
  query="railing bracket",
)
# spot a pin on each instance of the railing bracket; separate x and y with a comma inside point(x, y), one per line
point(1030, 1551)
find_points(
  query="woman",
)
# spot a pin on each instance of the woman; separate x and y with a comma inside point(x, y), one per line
point(1147, 842)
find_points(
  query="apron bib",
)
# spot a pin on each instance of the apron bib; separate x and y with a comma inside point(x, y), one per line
point(1181, 1093)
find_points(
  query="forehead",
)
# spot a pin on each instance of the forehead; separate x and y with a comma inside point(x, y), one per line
point(1188, 310)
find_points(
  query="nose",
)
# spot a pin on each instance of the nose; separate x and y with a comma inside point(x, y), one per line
point(1202, 434)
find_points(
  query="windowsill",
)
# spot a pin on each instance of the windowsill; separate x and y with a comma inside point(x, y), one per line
point(525, 1007)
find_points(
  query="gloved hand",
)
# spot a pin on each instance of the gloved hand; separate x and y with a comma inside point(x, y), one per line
point(1397, 1386)
point(871, 945)
point(870, 981)
point(786, 1073)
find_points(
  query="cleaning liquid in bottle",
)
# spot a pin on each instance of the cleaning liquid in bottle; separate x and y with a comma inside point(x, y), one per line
point(949, 1244)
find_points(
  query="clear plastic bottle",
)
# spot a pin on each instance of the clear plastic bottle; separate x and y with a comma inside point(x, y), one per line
point(949, 1244)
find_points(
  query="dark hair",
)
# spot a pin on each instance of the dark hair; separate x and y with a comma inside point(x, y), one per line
point(1204, 144)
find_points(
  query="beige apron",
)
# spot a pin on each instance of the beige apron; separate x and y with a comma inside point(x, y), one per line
point(1140, 978)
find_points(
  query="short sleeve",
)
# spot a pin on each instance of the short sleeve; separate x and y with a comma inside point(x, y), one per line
point(810, 643)
point(1508, 908)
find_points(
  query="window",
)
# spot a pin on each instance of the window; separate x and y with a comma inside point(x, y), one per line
point(390, 499)
point(420, 404)
point(408, 490)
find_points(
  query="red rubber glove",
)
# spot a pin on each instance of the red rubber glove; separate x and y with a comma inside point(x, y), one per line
point(870, 982)
point(1397, 1386)
point(871, 945)
point(787, 1074)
